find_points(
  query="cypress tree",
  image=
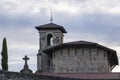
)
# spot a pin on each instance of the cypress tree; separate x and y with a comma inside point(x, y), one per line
point(4, 54)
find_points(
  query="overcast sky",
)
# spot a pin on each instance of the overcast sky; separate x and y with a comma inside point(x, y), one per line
point(88, 20)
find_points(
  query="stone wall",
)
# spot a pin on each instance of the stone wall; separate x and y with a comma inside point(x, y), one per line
point(23, 76)
point(87, 76)
point(74, 60)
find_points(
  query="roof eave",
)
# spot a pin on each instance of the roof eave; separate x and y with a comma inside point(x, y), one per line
point(61, 29)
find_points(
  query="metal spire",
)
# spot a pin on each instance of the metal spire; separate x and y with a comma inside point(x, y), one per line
point(51, 17)
point(51, 12)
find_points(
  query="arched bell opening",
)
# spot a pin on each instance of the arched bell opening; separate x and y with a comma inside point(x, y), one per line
point(49, 40)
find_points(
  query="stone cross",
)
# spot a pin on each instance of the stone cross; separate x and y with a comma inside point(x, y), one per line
point(26, 67)
point(25, 58)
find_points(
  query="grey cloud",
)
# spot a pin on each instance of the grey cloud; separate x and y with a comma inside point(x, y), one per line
point(103, 24)
point(96, 24)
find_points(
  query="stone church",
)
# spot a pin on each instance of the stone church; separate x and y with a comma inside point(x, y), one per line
point(72, 57)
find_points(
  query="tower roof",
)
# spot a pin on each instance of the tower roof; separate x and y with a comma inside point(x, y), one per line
point(51, 26)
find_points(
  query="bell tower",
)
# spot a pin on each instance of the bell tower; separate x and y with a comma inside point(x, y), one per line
point(49, 35)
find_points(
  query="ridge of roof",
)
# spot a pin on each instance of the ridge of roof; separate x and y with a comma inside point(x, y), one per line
point(79, 43)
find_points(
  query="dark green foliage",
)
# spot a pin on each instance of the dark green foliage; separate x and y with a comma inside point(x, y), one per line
point(4, 54)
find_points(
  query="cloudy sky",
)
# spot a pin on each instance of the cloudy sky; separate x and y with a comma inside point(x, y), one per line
point(89, 20)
